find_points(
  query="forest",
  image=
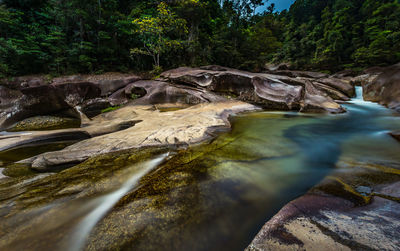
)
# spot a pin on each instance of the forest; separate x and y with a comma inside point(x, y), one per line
point(69, 36)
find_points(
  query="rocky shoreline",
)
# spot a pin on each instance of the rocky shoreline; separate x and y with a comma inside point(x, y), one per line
point(36, 104)
point(63, 122)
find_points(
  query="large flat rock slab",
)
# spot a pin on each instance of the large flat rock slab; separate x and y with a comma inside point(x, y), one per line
point(150, 128)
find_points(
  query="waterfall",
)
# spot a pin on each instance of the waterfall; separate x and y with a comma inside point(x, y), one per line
point(359, 93)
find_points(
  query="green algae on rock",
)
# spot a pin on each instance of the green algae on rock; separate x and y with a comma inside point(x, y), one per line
point(205, 185)
point(42, 123)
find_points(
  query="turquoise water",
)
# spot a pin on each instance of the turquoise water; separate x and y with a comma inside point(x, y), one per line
point(214, 196)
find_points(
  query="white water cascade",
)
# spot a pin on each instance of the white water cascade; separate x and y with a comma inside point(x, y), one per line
point(359, 94)
point(102, 205)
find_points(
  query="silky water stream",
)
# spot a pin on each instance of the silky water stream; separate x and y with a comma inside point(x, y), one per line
point(215, 196)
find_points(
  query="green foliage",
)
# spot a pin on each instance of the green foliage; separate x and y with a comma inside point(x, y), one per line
point(336, 34)
point(157, 33)
point(111, 108)
point(134, 96)
point(60, 37)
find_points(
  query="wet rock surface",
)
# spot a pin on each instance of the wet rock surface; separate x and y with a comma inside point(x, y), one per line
point(46, 176)
point(193, 190)
point(356, 211)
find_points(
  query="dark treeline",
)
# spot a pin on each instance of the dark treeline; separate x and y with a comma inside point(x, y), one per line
point(70, 36)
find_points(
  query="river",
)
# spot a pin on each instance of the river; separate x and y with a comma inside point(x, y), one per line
point(214, 196)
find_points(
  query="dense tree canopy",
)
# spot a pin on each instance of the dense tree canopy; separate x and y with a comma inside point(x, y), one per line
point(335, 34)
point(68, 36)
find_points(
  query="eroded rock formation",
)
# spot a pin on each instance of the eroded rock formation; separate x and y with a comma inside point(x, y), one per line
point(385, 87)
point(268, 90)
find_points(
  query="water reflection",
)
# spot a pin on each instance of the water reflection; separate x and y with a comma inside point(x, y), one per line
point(212, 197)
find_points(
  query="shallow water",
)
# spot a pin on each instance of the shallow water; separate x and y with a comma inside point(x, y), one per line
point(215, 196)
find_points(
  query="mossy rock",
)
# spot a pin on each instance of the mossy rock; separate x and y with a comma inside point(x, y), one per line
point(44, 123)
point(351, 180)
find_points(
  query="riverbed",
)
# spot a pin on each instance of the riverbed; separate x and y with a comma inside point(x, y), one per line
point(213, 196)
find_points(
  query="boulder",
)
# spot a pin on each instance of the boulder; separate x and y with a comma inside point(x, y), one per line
point(375, 70)
point(344, 74)
point(279, 67)
point(323, 222)
point(295, 74)
point(93, 107)
point(77, 92)
point(68, 79)
point(339, 85)
point(331, 92)
point(17, 105)
point(107, 86)
point(190, 76)
point(22, 82)
point(277, 95)
point(214, 68)
point(108, 83)
point(385, 88)
point(19, 145)
point(314, 100)
point(267, 90)
point(146, 92)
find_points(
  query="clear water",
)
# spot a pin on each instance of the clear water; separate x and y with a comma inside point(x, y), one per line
point(213, 197)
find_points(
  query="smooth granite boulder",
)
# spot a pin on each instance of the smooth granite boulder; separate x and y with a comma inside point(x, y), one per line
point(385, 88)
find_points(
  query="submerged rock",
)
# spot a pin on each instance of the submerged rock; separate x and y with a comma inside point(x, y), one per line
point(17, 146)
point(353, 209)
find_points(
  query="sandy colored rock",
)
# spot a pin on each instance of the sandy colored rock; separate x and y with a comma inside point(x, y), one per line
point(145, 126)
